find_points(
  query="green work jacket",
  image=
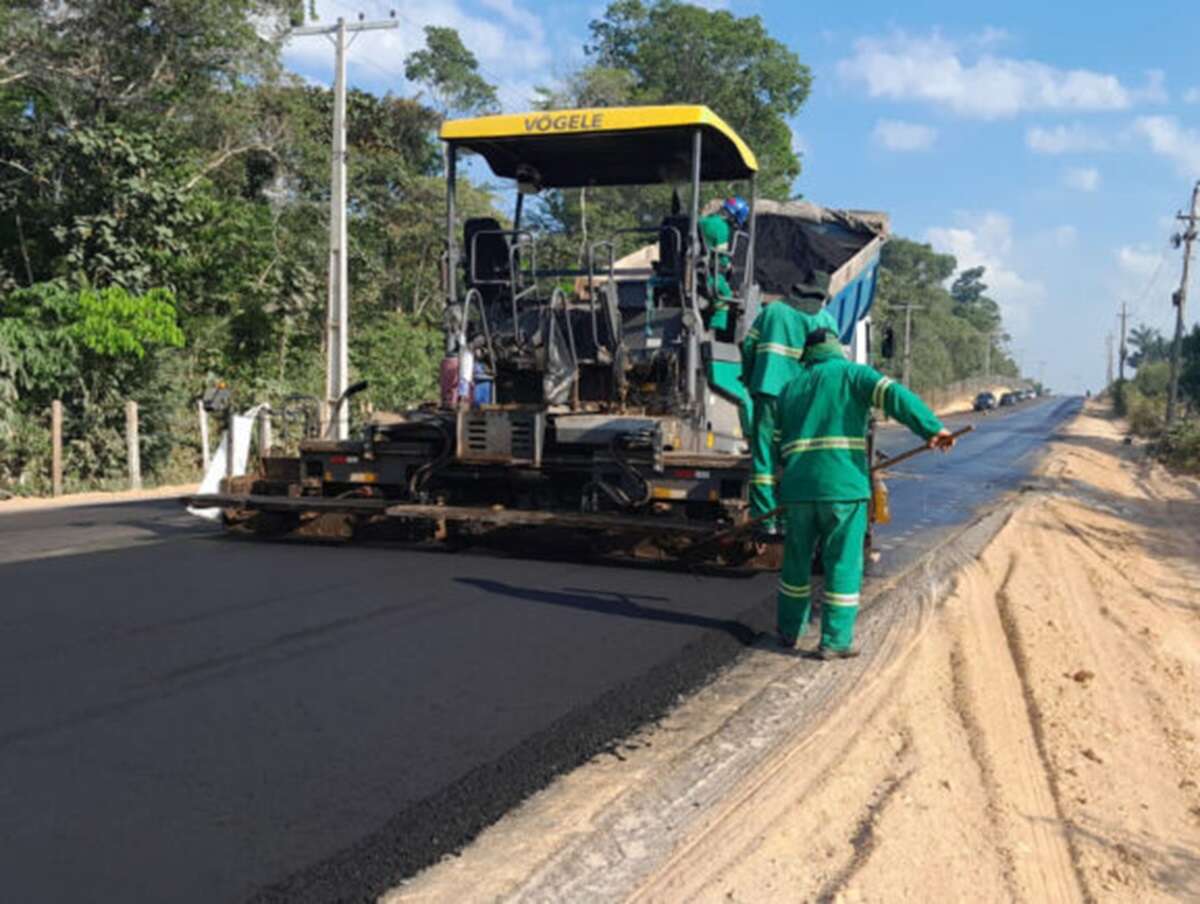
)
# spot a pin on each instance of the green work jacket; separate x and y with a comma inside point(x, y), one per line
point(716, 231)
point(823, 427)
point(774, 344)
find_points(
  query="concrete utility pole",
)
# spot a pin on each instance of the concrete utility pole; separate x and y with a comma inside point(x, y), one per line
point(1108, 345)
point(906, 374)
point(337, 318)
point(1185, 240)
point(987, 353)
point(1124, 315)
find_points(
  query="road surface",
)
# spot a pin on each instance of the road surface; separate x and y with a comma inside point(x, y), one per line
point(187, 717)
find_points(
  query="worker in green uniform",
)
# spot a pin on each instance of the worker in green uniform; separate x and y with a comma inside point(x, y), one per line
point(826, 485)
point(771, 354)
point(717, 231)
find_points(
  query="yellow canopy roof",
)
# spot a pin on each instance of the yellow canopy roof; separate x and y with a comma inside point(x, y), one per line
point(605, 145)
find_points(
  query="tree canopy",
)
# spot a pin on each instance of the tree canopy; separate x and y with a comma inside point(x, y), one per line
point(956, 330)
point(679, 53)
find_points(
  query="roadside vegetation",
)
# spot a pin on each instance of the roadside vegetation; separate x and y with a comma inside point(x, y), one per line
point(1143, 399)
point(164, 211)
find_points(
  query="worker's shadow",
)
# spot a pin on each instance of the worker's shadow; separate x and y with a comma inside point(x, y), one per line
point(610, 602)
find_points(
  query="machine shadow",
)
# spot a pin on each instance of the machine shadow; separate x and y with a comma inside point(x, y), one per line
point(609, 602)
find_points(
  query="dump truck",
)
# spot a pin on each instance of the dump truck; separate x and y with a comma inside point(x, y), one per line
point(596, 407)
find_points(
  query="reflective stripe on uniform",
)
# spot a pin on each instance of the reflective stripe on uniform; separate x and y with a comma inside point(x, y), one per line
point(763, 479)
point(820, 443)
point(795, 590)
point(774, 348)
point(751, 333)
point(841, 599)
point(877, 396)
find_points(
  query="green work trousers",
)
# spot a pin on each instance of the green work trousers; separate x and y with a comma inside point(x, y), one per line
point(840, 528)
point(764, 458)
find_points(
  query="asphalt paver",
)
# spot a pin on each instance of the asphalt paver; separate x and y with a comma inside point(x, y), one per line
point(189, 717)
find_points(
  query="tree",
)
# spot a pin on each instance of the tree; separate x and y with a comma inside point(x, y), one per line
point(954, 327)
point(1148, 345)
point(968, 286)
point(450, 73)
point(679, 53)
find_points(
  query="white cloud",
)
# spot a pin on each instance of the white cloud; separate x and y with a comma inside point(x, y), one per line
point(986, 240)
point(1066, 139)
point(1137, 262)
point(904, 136)
point(1169, 139)
point(1082, 178)
point(507, 38)
point(1192, 95)
point(933, 69)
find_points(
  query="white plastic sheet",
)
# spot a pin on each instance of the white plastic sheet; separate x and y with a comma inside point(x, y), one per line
point(243, 430)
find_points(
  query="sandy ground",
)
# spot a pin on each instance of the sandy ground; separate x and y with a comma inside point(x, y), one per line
point(1037, 743)
point(29, 504)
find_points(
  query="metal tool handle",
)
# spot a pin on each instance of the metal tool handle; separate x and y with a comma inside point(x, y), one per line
point(904, 456)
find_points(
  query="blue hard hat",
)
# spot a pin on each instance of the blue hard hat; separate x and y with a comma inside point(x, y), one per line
point(738, 209)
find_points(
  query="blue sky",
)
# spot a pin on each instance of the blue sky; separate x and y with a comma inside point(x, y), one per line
point(1051, 143)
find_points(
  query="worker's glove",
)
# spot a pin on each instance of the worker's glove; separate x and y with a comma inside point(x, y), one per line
point(942, 441)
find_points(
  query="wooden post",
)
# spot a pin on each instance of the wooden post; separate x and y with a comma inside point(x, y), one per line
point(205, 455)
point(228, 445)
point(265, 439)
point(131, 445)
point(56, 476)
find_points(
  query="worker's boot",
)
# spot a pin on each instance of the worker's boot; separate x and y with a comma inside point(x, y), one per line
point(787, 642)
point(826, 654)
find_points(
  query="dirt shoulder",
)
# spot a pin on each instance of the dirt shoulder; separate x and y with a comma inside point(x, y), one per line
point(1039, 740)
point(40, 503)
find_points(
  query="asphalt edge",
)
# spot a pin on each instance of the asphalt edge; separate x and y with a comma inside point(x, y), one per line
point(396, 851)
point(648, 827)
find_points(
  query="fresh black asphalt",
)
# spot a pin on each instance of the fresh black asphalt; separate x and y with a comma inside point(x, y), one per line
point(185, 717)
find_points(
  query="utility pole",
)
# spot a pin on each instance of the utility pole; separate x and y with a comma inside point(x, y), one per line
point(337, 314)
point(906, 374)
point(1185, 240)
point(987, 353)
point(1124, 315)
point(1108, 345)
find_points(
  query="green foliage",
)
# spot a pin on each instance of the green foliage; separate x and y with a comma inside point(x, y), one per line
point(1151, 379)
point(680, 53)
point(93, 349)
point(1189, 367)
point(1180, 446)
point(164, 191)
point(1148, 345)
point(450, 72)
point(952, 332)
point(398, 356)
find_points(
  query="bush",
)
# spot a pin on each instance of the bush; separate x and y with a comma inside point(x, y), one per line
point(1180, 447)
point(1152, 379)
point(1145, 415)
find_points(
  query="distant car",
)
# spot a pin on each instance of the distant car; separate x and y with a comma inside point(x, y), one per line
point(985, 401)
point(1009, 398)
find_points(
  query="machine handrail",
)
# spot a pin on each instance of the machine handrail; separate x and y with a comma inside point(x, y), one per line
point(487, 333)
point(558, 295)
